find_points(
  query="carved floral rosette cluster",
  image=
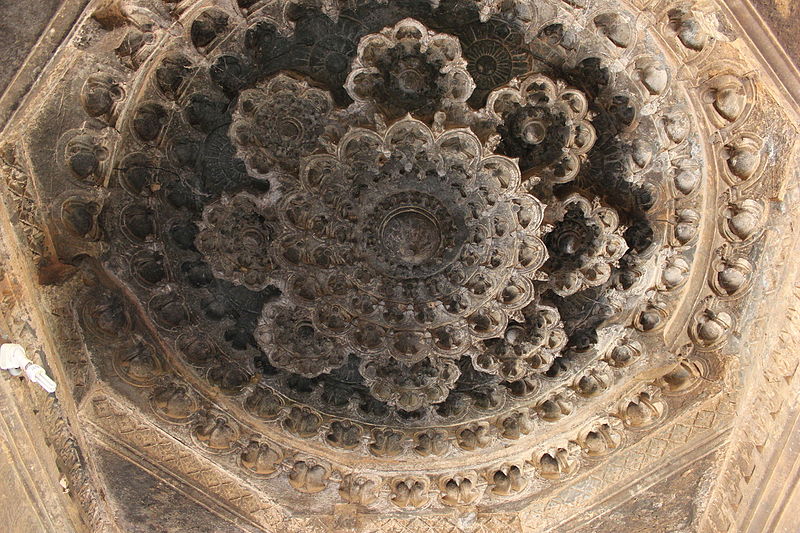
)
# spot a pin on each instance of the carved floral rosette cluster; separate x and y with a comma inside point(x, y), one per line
point(531, 344)
point(586, 244)
point(405, 248)
point(202, 244)
point(237, 233)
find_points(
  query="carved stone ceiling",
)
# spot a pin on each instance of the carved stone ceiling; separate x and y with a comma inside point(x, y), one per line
point(405, 265)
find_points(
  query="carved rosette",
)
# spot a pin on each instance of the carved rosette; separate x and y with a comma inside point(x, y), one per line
point(404, 247)
point(410, 386)
point(585, 245)
point(527, 346)
point(408, 68)
point(279, 123)
point(234, 236)
point(545, 124)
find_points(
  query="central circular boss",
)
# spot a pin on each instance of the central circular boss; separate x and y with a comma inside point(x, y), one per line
point(415, 236)
point(411, 235)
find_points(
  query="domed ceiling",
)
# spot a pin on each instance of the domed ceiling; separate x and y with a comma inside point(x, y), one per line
point(411, 257)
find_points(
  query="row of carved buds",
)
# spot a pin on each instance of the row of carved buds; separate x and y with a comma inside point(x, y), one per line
point(547, 463)
point(692, 34)
point(265, 405)
point(218, 434)
point(666, 148)
point(684, 220)
point(730, 101)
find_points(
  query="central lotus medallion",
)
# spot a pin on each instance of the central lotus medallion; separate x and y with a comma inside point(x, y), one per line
point(408, 245)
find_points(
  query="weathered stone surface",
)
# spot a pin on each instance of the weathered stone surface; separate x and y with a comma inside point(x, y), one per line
point(781, 15)
point(671, 505)
point(500, 266)
point(21, 26)
point(144, 503)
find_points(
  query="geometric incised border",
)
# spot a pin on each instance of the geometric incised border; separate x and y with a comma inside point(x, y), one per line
point(119, 425)
point(124, 426)
point(693, 436)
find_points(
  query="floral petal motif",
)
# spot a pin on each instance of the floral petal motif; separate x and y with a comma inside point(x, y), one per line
point(526, 347)
point(291, 342)
point(585, 244)
point(233, 236)
point(545, 124)
point(278, 123)
point(409, 69)
point(410, 387)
